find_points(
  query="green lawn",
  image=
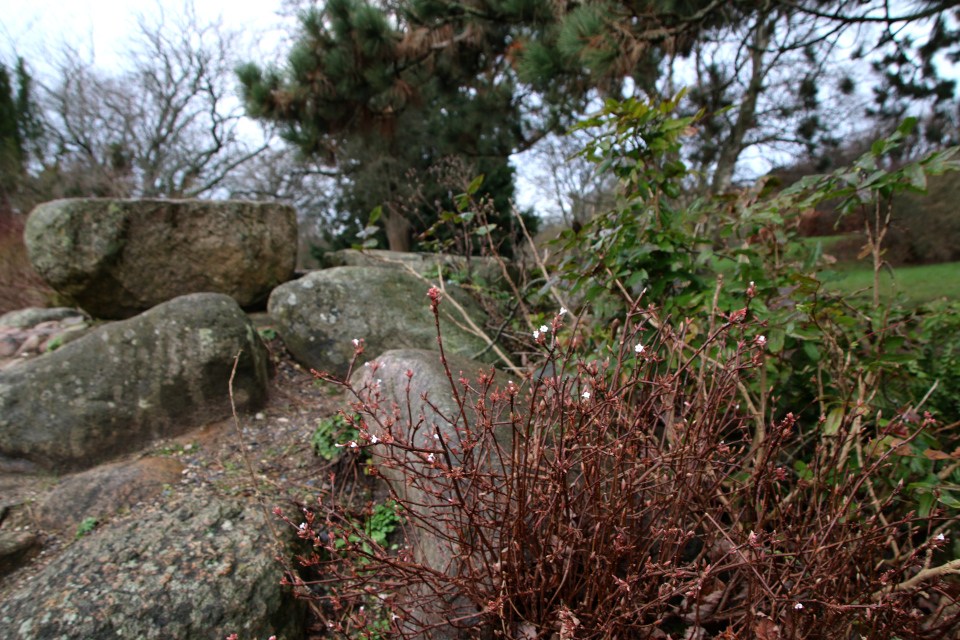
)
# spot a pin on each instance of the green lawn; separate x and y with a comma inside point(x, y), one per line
point(920, 284)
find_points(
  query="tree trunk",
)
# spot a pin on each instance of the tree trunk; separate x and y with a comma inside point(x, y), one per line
point(733, 145)
point(398, 232)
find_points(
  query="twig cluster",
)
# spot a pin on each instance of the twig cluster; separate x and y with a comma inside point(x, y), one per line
point(625, 499)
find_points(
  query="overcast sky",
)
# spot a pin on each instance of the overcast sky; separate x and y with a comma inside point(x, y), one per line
point(100, 28)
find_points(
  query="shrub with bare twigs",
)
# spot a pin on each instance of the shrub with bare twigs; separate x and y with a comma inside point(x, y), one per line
point(629, 498)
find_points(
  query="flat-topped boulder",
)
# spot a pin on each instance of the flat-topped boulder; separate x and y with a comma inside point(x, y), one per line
point(319, 316)
point(118, 258)
point(127, 383)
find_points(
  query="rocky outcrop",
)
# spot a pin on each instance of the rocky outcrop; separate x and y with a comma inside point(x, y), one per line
point(16, 549)
point(319, 315)
point(127, 383)
point(194, 568)
point(118, 258)
point(29, 333)
point(479, 268)
point(103, 491)
point(32, 316)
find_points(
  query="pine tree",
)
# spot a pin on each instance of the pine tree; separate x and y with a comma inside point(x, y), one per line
point(384, 88)
point(384, 92)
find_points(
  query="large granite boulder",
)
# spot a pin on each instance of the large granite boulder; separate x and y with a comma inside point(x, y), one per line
point(431, 399)
point(117, 258)
point(480, 268)
point(198, 567)
point(127, 383)
point(319, 315)
point(386, 384)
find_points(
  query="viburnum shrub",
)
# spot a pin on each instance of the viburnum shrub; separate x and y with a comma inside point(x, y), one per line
point(629, 497)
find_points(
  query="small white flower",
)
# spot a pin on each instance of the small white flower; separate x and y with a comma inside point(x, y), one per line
point(536, 335)
point(639, 348)
point(544, 328)
point(751, 283)
point(337, 444)
point(394, 617)
point(430, 458)
point(798, 606)
point(353, 445)
point(303, 526)
point(436, 436)
point(940, 538)
point(586, 395)
point(563, 310)
point(761, 340)
point(356, 342)
point(374, 439)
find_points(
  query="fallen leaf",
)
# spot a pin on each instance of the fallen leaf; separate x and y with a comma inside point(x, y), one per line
point(765, 629)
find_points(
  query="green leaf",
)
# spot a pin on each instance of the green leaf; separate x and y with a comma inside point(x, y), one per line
point(834, 420)
point(374, 215)
point(776, 339)
point(907, 126)
point(472, 189)
point(636, 277)
point(485, 229)
point(915, 175)
point(949, 500)
point(926, 501)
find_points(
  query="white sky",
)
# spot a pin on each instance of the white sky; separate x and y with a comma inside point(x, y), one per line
point(100, 28)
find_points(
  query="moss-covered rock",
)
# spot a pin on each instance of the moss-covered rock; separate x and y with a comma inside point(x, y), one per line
point(118, 258)
point(127, 383)
point(319, 315)
point(198, 567)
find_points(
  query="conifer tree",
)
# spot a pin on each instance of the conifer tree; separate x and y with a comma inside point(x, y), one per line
point(383, 88)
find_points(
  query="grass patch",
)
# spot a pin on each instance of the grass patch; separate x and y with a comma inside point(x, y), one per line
point(920, 284)
point(828, 244)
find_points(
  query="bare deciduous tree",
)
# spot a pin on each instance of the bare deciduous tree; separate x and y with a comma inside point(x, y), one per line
point(169, 125)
